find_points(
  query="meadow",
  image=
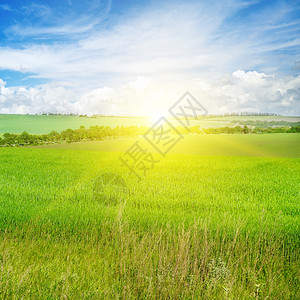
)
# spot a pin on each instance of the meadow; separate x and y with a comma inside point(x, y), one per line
point(258, 145)
point(43, 124)
point(218, 218)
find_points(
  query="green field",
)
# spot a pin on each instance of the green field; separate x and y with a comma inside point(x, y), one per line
point(257, 118)
point(218, 218)
point(260, 145)
point(41, 124)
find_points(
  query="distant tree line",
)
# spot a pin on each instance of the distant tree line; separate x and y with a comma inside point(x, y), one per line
point(245, 113)
point(265, 124)
point(65, 114)
point(239, 130)
point(246, 130)
point(99, 133)
point(94, 133)
point(46, 113)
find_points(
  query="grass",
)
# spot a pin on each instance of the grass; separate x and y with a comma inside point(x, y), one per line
point(42, 124)
point(258, 145)
point(218, 226)
point(258, 118)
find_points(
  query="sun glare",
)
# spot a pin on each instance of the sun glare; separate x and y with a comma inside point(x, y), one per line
point(154, 116)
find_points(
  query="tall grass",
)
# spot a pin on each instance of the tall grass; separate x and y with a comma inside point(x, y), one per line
point(118, 261)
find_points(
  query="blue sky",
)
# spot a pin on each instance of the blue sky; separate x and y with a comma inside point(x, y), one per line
point(125, 57)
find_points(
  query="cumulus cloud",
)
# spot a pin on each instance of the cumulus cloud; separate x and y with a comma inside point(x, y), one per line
point(21, 100)
point(237, 92)
point(254, 92)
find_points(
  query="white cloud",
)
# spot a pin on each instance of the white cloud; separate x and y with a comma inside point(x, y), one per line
point(2, 83)
point(236, 92)
point(99, 100)
point(36, 99)
point(255, 92)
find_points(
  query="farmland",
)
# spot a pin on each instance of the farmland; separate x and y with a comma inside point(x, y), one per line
point(217, 218)
point(268, 145)
point(42, 124)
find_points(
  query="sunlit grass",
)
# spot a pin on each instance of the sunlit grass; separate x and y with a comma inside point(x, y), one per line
point(195, 226)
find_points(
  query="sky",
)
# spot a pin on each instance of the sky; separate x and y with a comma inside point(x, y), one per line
point(117, 57)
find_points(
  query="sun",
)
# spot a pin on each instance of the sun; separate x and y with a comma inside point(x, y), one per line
point(154, 116)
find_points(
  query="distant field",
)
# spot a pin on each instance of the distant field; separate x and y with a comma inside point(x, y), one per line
point(260, 145)
point(258, 118)
point(36, 124)
point(39, 124)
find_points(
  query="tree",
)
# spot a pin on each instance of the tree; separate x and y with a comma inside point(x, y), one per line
point(23, 138)
point(246, 129)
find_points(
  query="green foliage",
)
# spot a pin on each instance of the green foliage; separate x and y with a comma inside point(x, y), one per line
point(98, 133)
point(266, 123)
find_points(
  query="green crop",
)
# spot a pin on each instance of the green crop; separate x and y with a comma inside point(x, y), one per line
point(222, 226)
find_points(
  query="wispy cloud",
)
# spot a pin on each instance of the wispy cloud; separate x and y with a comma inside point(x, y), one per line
point(5, 7)
point(45, 33)
point(41, 11)
point(40, 21)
